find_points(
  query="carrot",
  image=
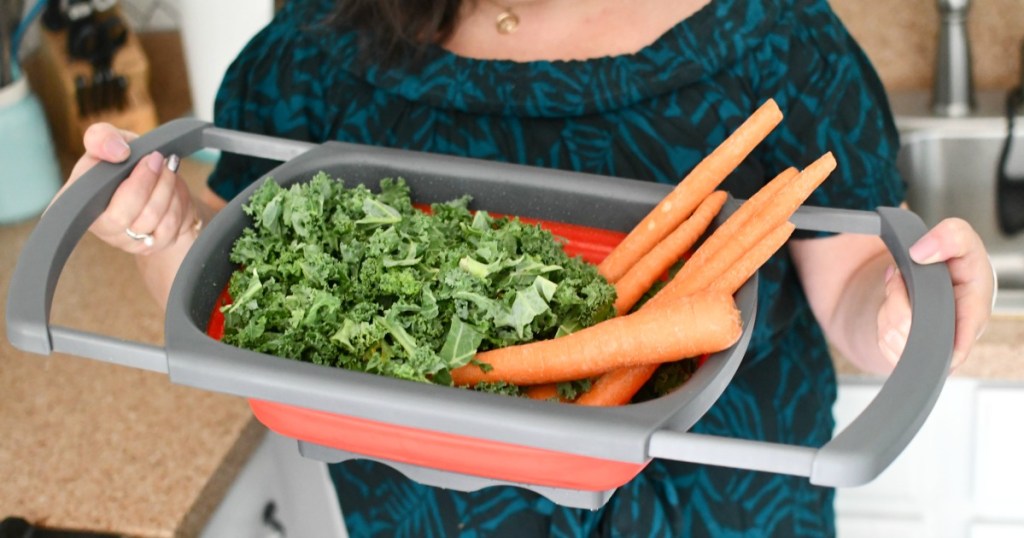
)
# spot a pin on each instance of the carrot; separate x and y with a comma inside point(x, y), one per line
point(765, 214)
point(781, 196)
point(694, 187)
point(739, 218)
point(635, 283)
point(547, 391)
point(618, 386)
point(745, 267)
point(693, 325)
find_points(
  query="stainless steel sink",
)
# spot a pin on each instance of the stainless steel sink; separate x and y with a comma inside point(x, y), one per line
point(951, 167)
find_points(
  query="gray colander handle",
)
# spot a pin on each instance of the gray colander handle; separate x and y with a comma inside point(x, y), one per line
point(880, 433)
point(62, 226)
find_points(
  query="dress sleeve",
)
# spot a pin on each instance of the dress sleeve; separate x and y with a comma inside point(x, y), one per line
point(832, 100)
point(273, 87)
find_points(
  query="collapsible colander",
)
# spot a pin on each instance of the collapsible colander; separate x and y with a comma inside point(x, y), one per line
point(458, 438)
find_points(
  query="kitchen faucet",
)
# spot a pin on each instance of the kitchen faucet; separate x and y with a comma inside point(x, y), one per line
point(953, 88)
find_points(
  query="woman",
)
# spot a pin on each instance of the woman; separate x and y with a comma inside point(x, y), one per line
point(640, 89)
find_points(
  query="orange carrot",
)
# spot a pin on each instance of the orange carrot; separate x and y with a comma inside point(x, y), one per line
point(693, 325)
point(765, 215)
point(745, 267)
point(697, 185)
point(739, 218)
point(547, 391)
point(639, 279)
point(781, 196)
point(618, 386)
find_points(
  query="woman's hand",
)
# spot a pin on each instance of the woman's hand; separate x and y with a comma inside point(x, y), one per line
point(954, 242)
point(861, 301)
point(152, 209)
point(151, 213)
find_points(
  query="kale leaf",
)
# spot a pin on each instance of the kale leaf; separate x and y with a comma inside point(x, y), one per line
point(342, 276)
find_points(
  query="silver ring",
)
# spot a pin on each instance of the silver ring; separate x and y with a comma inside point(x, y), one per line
point(147, 239)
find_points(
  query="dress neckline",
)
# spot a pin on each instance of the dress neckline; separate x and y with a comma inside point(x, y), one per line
point(699, 46)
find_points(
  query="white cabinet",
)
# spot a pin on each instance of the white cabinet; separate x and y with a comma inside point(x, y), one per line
point(997, 530)
point(999, 444)
point(961, 477)
point(298, 489)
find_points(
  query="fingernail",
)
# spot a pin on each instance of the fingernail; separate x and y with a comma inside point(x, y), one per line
point(889, 271)
point(155, 162)
point(116, 148)
point(926, 250)
point(958, 359)
point(173, 162)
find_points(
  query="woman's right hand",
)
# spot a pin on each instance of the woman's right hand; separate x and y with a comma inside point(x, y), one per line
point(151, 209)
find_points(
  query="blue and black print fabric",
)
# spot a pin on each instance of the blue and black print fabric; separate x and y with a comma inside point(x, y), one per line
point(651, 115)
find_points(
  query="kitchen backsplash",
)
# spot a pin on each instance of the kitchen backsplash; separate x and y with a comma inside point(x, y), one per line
point(899, 36)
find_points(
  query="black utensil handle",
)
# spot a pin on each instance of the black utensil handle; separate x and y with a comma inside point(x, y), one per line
point(55, 17)
point(1009, 187)
point(17, 527)
point(82, 97)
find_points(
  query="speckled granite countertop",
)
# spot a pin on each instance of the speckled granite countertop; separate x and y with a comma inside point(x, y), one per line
point(93, 446)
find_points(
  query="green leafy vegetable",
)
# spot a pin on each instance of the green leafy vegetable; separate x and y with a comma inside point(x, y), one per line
point(668, 377)
point(346, 277)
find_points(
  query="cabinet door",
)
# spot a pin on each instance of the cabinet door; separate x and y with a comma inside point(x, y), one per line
point(961, 477)
point(278, 493)
point(997, 530)
point(999, 454)
point(919, 494)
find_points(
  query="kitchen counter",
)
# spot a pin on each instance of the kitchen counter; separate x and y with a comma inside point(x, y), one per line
point(94, 446)
point(998, 355)
point(90, 445)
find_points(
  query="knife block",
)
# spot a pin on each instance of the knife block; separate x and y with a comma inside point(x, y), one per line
point(52, 73)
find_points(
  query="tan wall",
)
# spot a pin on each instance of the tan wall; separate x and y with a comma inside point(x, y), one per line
point(900, 38)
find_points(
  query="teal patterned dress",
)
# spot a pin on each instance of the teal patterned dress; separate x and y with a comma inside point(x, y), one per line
point(651, 116)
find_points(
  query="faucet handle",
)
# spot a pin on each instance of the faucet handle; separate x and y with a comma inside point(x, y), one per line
point(953, 86)
point(953, 6)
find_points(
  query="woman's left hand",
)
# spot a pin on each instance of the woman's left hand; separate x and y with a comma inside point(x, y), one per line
point(956, 243)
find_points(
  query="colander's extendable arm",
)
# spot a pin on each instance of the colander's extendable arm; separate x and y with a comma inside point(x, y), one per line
point(59, 230)
point(62, 226)
point(879, 434)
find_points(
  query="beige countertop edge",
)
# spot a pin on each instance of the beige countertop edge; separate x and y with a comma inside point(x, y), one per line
point(998, 354)
point(210, 497)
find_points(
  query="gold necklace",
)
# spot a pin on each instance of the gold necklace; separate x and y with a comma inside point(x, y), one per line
point(507, 21)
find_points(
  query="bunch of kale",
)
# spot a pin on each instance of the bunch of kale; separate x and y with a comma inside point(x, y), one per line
point(361, 280)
